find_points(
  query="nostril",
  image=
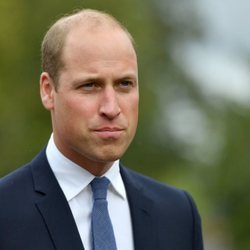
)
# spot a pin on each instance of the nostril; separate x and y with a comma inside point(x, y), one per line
point(110, 111)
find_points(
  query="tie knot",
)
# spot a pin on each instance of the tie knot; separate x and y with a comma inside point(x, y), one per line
point(99, 187)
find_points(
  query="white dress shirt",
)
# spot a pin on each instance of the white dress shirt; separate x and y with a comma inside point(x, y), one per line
point(74, 182)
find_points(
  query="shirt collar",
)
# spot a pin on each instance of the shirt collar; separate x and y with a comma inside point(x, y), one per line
point(73, 178)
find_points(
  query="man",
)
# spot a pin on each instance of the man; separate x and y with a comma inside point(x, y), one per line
point(90, 86)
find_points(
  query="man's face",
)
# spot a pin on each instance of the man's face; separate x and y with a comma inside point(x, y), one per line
point(95, 108)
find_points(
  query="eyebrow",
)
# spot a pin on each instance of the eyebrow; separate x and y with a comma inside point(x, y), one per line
point(96, 77)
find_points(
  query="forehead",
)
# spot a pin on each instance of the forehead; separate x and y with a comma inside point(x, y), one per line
point(104, 39)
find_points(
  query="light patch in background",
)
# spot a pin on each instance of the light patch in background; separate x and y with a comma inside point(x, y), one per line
point(190, 130)
point(225, 23)
point(217, 61)
point(217, 73)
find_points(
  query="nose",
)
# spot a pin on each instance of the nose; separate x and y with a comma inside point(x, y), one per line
point(109, 105)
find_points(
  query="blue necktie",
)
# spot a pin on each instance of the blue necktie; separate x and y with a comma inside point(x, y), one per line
point(101, 226)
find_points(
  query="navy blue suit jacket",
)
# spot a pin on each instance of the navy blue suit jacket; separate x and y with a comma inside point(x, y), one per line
point(35, 215)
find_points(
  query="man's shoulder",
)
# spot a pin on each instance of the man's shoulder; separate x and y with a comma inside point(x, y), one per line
point(21, 176)
point(15, 193)
point(15, 178)
point(176, 201)
point(153, 187)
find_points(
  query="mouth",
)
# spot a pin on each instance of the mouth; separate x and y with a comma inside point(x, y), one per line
point(109, 132)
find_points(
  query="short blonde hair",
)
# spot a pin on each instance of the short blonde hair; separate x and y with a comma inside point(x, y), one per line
point(54, 39)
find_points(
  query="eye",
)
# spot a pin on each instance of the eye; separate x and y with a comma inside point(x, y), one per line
point(89, 86)
point(126, 83)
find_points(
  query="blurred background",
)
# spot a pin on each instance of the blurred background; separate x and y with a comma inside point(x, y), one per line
point(194, 129)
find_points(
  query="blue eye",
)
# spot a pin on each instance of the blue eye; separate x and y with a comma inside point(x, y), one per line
point(88, 85)
point(126, 83)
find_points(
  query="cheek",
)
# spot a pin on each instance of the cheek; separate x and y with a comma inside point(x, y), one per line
point(79, 105)
point(130, 107)
point(134, 102)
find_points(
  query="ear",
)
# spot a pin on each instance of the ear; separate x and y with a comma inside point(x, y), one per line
point(47, 91)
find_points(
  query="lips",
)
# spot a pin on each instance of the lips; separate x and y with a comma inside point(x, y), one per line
point(109, 132)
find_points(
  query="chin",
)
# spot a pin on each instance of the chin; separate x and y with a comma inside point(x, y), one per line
point(110, 155)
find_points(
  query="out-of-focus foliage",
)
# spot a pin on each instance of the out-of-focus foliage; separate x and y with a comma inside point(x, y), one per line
point(219, 183)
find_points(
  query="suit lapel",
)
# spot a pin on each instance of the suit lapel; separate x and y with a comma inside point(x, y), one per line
point(141, 208)
point(54, 207)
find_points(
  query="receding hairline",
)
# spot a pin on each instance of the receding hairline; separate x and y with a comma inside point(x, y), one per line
point(90, 18)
